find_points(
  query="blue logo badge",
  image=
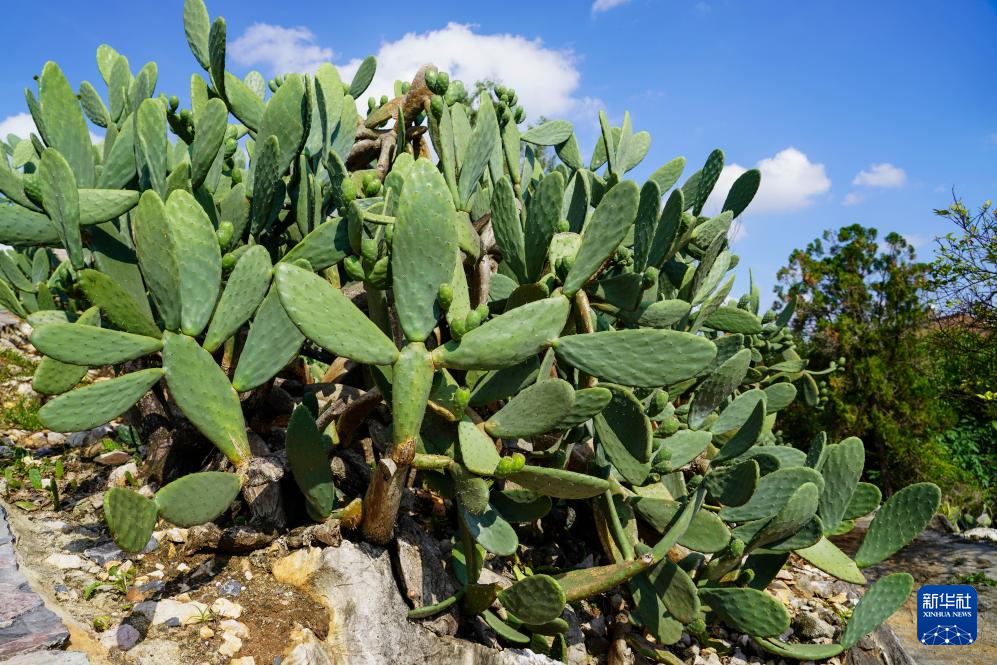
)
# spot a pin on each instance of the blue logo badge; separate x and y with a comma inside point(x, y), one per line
point(946, 614)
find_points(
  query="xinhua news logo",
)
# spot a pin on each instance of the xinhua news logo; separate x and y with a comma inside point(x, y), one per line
point(946, 614)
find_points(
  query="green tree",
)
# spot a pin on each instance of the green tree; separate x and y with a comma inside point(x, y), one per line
point(864, 299)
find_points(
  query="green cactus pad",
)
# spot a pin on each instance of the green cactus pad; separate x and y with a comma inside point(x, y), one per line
point(747, 610)
point(98, 403)
point(199, 264)
point(196, 26)
point(551, 132)
point(733, 485)
point(826, 556)
point(559, 483)
point(209, 134)
point(669, 174)
point(798, 509)
point(666, 590)
point(272, 343)
point(326, 245)
point(877, 605)
point(412, 382)
point(742, 191)
point(470, 491)
point(543, 214)
point(477, 450)
point(771, 494)
point(536, 599)
point(535, 410)
point(483, 140)
point(685, 446)
point(423, 249)
point(62, 202)
point(842, 469)
point(609, 225)
point(150, 145)
point(898, 522)
point(864, 500)
point(328, 318)
point(521, 505)
point(53, 377)
point(102, 205)
point(504, 630)
point(737, 413)
point(779, 396)
point(65, 128)
point(588, 403)
point(90, 345)
point(197, 498)
point(504, 383)
point(308, 457)
point(491, 531)
point(204, 394)
point(131, 518)
point(623, 433)
point(508, 339)
point(20, 226)
point(117, 304)
point(244, 291)
point(706, 532)
point(811, 652)
point(746, 436)
point(508, 229)
point(157, 257)
point(734, 320)
point(644, 358)
point(663, 313)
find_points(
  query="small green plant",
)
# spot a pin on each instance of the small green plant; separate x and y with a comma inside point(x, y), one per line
point(119, 581)
point(978, 579)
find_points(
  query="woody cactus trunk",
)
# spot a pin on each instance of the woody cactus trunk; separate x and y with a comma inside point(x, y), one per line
point(540, 336)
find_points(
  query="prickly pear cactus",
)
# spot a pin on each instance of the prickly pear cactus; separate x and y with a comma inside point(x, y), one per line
point(524, 338)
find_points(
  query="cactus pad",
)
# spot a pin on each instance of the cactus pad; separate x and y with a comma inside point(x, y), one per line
point(197, 498)
point(97, 403)
point(131, 518)
point(898, 522)
point(535, 599)
point(535, 410)
point(747, 610)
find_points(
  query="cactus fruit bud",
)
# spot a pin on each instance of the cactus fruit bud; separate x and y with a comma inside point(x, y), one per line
point(563, 226)
point(693, 482)
point(519, 114)
point(224, 233)
point(745, 577)
point(371, 104)
point(506, 466)
point(185, 115)
point(436, 106)
point(174, 102)
point(272, 84)
point(442, 83)
point(472, 320)
point(348, 192)
point(406, 87)
point(431, 80)
point(384, 100)
point(736, 547)
point(457, 329)
point(445, 296)
point(650, 277)
point(482, 311)
point(371, 184)
point(228, 262)
point(461, 398)
point(354, 269)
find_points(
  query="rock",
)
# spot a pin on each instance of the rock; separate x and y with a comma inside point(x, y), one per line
point(50, 658)
point(224, 607)
point(105, 554)
point(981, 533)
point(119, 475)
point(176, 535)
point(124, 637)
point(230, 645)
point(356, 583)
point(245, 660)
point(811, 626)
point(89, 437)
point(710, 658)
point(55, 438)
point(233, 627)
point(307, 649)
point(230, 588)
point(182, 567)
point(169, 612)
point(298, 566)
point(65, 561)
point(205, 633)
point(113, 458)
point(155, 652)
point(422, 575)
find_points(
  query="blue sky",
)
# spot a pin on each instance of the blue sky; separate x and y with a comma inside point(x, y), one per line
point(867, 112)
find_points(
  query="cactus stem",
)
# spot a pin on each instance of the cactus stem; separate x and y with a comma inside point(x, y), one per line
point(616, 527)
point(384, 495)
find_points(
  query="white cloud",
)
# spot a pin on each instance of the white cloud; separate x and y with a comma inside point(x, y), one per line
point(545, 79)
point(790, 181)
point(852, 198)
point(19, 125)
point(881, 175)
point(22, 124)
point(605, 5)
point(279, 50)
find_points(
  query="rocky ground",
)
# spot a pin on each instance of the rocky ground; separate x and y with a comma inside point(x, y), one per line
point(205, 595)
